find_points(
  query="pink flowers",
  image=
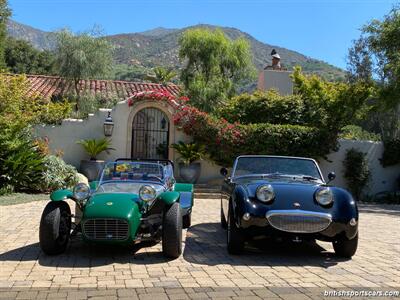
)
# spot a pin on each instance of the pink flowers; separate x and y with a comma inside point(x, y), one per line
point(158, 95)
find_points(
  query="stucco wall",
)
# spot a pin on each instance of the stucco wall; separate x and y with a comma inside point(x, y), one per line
point(278, 80)
point(64, 138)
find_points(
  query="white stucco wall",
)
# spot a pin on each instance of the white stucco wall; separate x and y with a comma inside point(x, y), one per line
point(64, 138)
point(275, 79)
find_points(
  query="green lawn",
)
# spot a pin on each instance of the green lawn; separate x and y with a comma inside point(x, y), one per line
point(18, 198)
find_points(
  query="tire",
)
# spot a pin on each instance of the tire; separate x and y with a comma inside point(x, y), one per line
point(172, 231)
point(187, 220)
point(55, 228)
point(346, 248)
point(234, 235)
point(224, 224)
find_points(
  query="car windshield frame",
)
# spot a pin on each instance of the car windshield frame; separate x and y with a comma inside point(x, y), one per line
point(304, 177)
point(166, 173)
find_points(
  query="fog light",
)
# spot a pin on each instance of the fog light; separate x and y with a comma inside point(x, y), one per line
point(246, 216)
point(353, 222)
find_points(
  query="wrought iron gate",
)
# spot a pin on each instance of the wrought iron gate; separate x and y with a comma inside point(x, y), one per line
point(150, 134)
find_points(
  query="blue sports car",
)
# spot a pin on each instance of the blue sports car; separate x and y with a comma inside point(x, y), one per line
point(286, 197)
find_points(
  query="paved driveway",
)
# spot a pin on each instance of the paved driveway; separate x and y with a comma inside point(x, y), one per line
point(204, 270)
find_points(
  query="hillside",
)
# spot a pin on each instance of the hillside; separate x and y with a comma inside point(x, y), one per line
point(159, 46)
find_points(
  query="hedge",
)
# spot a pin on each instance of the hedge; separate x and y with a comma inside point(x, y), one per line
point(224, 141)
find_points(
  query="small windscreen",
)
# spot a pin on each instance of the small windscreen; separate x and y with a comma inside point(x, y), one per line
point(253, 165)
point(143, 171)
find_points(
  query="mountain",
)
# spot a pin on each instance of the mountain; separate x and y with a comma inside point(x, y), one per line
point(160, 46)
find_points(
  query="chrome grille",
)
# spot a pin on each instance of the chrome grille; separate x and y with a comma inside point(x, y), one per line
point(106, 229)
point(298, 221)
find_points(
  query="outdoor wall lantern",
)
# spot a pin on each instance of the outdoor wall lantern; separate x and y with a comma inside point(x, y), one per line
point(108, 125)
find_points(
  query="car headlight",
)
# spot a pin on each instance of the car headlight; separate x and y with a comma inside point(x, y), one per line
point(147, 193)
point(324, 196)
point(265, 193)
point(81, 193)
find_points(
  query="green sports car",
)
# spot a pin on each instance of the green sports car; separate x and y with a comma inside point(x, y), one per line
point(133, 201)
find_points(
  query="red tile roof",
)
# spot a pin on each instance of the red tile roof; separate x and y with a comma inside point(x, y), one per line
point(54, 86)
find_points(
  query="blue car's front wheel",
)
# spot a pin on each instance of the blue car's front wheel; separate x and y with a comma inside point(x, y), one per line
point(235, 238)
point(346, 248)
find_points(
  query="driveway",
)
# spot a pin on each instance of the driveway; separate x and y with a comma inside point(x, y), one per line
point(204, 270)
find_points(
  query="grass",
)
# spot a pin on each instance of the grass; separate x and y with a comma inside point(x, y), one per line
point(18, 198)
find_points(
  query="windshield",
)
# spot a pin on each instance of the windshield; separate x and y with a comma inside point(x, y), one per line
point(128, 177)
point(265, 165)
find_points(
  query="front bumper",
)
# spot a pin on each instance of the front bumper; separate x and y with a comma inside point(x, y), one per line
point(297, 223)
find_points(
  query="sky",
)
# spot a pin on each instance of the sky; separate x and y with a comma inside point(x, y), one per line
point(321, 29)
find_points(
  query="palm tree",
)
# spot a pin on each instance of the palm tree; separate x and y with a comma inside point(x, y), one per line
point(162, 75)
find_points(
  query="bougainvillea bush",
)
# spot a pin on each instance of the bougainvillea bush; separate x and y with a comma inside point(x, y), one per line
point(224, 141)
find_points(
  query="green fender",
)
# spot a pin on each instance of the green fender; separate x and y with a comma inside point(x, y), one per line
point(61, 195)
point(169, 197)
point(183, 187)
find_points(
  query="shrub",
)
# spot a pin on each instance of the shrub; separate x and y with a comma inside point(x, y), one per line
point(55, 112)
point(224, 141)
point(354, 132)
point(356, 171)
point(21, 163)
point(264, 107)
point(57, 174)
point(391, 153)
point(189, 152)
point(94, 147)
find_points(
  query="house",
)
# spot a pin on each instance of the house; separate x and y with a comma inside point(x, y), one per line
point(143, 124)
point(275, 76)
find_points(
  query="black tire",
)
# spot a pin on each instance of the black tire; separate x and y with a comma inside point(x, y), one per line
point(224, 224)
point(187, 220)
point(346, 248)
point(234, 235)
point(172, 231)
point(55, 228)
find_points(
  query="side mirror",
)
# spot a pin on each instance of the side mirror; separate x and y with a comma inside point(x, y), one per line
point(331, 176)
point(223, 172)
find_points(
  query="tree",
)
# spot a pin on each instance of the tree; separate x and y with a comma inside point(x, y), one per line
point(215, 65)
point(162, 75)
point(82, 56)
point(21, 57)
point(374, 58)
point(5, 13)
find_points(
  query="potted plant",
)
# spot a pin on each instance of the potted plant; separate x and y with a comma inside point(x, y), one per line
point(189, 170)
point(91, 168)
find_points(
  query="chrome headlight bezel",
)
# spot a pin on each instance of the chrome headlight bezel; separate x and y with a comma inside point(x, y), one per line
point(324, 196)
point(81, 193)
point(147, 193)
point(265, 193)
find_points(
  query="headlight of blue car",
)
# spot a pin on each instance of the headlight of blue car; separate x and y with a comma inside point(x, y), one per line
point(324, 196)
point(265, 193)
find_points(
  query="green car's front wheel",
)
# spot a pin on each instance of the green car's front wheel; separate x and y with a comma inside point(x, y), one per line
point(172, 231)
point(55, 228)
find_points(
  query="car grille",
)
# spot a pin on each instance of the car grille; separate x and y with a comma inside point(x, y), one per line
point(298, 221)
point(106, 229)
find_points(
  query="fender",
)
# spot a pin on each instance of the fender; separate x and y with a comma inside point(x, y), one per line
point(61, 195)
point(183, 187)
point(239, 197)
point(169, 198)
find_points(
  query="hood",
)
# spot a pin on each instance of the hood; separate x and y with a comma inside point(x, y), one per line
point(111, 205)
point(287, 193)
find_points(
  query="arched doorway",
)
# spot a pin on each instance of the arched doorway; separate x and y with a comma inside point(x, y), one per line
point(150, 134)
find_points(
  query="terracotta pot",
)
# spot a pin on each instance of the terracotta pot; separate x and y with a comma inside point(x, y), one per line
point(92, 168)
point(190, 173)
